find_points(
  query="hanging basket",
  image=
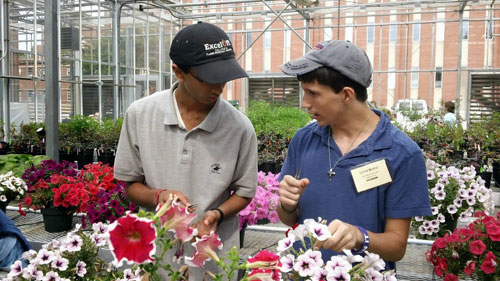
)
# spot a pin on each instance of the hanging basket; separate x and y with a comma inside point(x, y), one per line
point(57, 219)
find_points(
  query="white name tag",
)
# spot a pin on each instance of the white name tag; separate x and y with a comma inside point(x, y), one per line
point(370, 175)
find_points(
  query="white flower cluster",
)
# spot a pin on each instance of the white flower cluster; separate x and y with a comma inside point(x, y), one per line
point(51, 262)
point(307, 264)
point(11, 187)
point(454, 193)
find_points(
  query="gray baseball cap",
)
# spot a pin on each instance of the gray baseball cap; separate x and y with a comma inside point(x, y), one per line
point(343, 56)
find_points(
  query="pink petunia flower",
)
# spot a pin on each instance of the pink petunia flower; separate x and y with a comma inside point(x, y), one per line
point(205, 249)
point(489, 265)
point(477, 247)
point(132, 239)
point(178, 220)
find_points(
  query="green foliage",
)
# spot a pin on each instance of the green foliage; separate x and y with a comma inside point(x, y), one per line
point(275, 126)
point(109, 133)
point(79, 133)
point(18, 163)
point(281, 120)
point(27, 135)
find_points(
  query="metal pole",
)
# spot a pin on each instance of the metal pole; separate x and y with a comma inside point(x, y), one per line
point(51, 80)
point(35, 60)
point(116, 44)
point(4, 70)
point(99, 81)
point(379, 92)
point(147, 55)
point(160, 58)
point(80, 61)
point(459, 59)
point(406, 59)
point(433, 65)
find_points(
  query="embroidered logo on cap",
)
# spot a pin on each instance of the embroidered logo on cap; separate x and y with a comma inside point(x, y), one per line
point(218, 48)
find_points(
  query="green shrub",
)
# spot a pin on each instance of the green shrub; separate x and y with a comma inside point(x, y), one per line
point(280, 120)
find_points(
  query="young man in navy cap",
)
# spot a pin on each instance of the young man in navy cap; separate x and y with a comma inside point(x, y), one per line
point(352, 167)
point(189, 142)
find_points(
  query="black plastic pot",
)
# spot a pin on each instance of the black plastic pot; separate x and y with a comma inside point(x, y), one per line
point(56, 219)
point(486, 176)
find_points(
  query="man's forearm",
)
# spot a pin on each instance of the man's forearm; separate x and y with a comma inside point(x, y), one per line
point(288, 219)
point(141, 194)
point(234, 204)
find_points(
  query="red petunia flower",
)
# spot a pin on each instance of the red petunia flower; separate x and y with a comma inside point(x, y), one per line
point(477, 247)
point(265, 262)
point(469, 268)
point(450, 277)
point(489, 265)
point(493, 231)
point(132, 239)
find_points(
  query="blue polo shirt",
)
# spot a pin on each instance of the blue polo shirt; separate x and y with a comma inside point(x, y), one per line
point(407, 195)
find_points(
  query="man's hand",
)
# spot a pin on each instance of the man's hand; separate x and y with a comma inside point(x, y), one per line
point(290, 191)
point(344, 236)
point(165, 196)
point(208, 223)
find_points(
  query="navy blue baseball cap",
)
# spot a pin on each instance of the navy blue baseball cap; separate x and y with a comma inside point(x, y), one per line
point(207, 49)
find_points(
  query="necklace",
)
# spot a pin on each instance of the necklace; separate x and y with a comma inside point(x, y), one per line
point(331, 171)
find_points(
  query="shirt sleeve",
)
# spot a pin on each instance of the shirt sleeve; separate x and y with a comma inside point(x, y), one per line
point(290, 163)
point(408, 195)
point(128, 165)
point(245, 178)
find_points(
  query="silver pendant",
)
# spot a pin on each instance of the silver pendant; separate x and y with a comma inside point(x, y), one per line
point(330, 173)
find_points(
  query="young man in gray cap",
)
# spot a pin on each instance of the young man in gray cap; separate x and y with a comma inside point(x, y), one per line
point(352, 167)
point(189, 142)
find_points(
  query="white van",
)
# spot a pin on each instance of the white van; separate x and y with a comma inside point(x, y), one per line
point(410, 112)
point(419, 106)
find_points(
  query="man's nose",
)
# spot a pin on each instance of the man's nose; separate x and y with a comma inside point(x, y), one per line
point(218, 88)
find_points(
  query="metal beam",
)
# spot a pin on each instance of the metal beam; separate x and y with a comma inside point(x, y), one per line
point(4, 68)
point(52, 88)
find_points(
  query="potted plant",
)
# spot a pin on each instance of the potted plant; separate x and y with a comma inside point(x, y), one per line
point(108, 135)
point(56, 190)
point(454, 194)
point(28, 140)
point(78, 137)
point(264, 205)
point(108, 200)
point(300, 261)
point(11, 188)
point(471, 251)
point(74, 257)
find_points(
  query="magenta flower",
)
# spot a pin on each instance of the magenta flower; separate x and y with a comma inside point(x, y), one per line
point(132, 239)
point(205, 249)
point(477, 247)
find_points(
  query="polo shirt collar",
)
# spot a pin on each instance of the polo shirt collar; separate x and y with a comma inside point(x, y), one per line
point(379, 139)
point(210, 122)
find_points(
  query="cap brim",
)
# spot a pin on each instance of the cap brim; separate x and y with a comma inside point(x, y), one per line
point(220, 71)
point(300, 66)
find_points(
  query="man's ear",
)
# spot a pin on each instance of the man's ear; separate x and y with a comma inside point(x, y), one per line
point(178, 72)
point(349, 94)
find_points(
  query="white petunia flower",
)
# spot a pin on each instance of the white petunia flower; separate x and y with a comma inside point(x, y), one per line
point(304, 266)
point(287, 263)
point(81, 268)
point(452, 209)
point(60, 263)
